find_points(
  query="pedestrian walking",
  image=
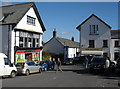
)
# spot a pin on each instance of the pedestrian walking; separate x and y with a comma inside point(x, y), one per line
point(53, 63)
point(86, 62)
point(58, 63)
point(107, 65)
point(50, 63)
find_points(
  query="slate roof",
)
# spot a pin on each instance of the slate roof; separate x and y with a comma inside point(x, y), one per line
point(67, 42)
point(14, 13)
point(115, 34)
point(89, 18)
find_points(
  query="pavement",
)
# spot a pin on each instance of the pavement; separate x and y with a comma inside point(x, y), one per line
point(72, 76)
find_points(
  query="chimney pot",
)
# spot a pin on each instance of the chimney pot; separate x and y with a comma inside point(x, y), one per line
point(54, 33)
point(72, 38)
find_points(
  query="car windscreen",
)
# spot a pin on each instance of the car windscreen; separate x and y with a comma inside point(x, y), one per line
point(82, 58)
point(19, 64)
point(31, 63)
point(98, 60)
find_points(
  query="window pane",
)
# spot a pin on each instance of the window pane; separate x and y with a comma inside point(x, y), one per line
point(30, 42)
point(34, 42)
point(37, 43)
point(91, 43)
point(30, 20)
point(116, 43)
point(21, 42)
point(105, 43)
point(7, 61)
point(26, 42)
point(93, 29)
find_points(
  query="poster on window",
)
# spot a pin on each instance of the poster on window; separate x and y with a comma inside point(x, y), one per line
point(35, 57)
point(20, 57)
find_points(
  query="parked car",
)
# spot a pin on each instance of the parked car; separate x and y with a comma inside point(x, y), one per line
point(49, 63)
point(6, 67)
point(118, 68)
point(79, 60)
point(89, 57)
point(97, 63)
point(68, 61)
point(27, 68)
point(44, 66)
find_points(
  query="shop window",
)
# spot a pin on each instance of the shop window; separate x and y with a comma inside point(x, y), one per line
point(105, 43)
point(116, 44)
point(93, 29)
point(105, 54)
point(91, 44)
point(30, 20)
point(28, 57)
point(21, 42)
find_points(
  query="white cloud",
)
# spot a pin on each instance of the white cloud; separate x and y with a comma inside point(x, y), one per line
point(65, 33)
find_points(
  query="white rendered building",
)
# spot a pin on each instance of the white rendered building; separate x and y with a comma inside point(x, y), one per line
point(95, 36)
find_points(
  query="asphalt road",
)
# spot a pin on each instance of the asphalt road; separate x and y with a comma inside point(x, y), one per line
point(72, 76)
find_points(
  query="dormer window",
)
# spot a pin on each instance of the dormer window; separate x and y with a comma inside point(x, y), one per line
point(93, 29)
point(30, 20)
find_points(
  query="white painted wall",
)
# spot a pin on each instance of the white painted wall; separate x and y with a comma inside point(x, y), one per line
point(12, 45)
point(54, 47)
point(40, 42)
point(103, 30)
point(17, 38)
point(113, 49)
point(23, 22)
point(72, 52)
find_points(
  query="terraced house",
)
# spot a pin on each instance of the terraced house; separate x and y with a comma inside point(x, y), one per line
point(21, 30)
point(97, 38)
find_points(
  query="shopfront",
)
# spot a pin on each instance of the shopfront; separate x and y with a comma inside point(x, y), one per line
point(27, 56)
point(92, 51)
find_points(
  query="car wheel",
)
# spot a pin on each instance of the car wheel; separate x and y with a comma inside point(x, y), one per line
point(13, 74)
point(27, 72)
point(40, 70)
point(91, 70)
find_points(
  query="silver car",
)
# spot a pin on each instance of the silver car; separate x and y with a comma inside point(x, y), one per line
point(27, 68)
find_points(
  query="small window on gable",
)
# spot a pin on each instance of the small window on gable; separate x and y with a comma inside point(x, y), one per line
point(30, 20)
point(94, 30)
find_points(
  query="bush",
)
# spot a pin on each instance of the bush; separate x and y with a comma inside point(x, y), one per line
point(45, 55)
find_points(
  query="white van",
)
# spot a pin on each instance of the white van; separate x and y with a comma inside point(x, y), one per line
point(6, 67)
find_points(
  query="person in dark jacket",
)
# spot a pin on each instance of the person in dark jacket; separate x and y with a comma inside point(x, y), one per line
point(58, 63)
point(53, 63)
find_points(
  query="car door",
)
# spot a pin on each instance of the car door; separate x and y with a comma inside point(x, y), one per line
point(1, 66)
point(35, 67)
point(7, 69)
